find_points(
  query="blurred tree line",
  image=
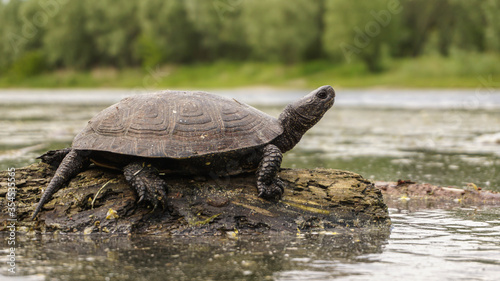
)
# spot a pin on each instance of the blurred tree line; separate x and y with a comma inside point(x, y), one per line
point(39, 35)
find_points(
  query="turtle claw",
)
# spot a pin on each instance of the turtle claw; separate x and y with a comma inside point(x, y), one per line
point(155, 193)
point(274, 190)
point(147, 183)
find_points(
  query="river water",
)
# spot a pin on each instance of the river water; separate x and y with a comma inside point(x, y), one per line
point(444, 137)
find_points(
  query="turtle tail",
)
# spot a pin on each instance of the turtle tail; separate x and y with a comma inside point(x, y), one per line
point(74, 162)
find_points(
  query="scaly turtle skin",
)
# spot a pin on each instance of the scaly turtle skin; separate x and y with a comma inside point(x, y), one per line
point(189, 133)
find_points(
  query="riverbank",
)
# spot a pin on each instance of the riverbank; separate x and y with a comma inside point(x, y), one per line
point(472, 71)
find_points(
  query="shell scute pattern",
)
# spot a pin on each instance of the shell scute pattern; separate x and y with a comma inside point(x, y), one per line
point(147, 119)
point(235, 118)
point(177, 125)
point(194, 116)
point(111, 122)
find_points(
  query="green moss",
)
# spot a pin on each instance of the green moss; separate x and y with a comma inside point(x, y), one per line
point(203, 222)
point(307, 208)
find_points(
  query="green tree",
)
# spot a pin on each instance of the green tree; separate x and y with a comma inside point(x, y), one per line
point(67, 42)
point(113, 29)
point(40, 34)
point(418, 18)
point(12, 39)
point(360, 31)
point(220, 29)
point(438, 25)
point(280, 30)
point(469, 24)
point(166, 31)
point(34, 21)
point(491, 10)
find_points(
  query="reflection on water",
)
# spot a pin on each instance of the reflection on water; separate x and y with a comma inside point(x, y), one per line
point(459, 244)
point(67, 257)
point(447, 138)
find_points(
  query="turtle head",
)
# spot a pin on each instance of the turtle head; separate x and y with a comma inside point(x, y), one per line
point(313, 106)
point(301, 115)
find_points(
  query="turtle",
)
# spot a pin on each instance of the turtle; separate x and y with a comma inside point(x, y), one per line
point(188, 133)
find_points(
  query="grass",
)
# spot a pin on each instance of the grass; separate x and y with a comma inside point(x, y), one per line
point(460, 71)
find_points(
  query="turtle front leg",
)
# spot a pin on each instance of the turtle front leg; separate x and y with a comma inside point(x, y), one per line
point(146, 181)
point(268, 183)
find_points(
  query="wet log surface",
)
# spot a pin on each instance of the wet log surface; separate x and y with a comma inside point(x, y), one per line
point(413, 196)
point(100, 201)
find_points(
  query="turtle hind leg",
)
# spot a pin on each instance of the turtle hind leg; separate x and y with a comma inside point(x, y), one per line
point(268, 183)
point(73, 163)
point(146, 181)
point(54, 157)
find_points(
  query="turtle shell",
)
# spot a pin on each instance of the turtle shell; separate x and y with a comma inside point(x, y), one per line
point(177, 125)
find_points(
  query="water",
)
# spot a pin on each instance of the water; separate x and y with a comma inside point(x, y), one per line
point(441, 137)
point(458, 244)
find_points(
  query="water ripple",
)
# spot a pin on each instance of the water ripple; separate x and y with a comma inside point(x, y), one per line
point(435, 245)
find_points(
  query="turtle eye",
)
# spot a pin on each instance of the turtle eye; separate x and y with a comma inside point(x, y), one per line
point(322, 95)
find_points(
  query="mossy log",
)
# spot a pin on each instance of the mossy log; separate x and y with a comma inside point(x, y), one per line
point(99, 200)
point(414, 196)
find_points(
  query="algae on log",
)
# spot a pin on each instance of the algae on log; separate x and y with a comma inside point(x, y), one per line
point(99, 200)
